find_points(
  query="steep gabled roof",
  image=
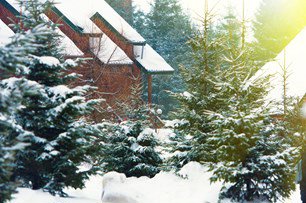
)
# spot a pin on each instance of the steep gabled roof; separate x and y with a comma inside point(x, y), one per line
point(5, 31)
point(81, 17)
point(68, 46)
point(81, 22)
point(293, 57)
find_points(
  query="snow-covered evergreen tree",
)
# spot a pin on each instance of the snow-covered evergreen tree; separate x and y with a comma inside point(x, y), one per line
point(201, 94)
point(180, 148)
point(60, 142)
point(225, 112)
point(254, 158)
point(167, 29)
point(296, 126)
point(12, 136)
point(131, 147)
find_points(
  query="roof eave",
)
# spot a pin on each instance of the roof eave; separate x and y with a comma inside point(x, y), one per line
point(98, 16)
point(9, 7)
point(153, 72)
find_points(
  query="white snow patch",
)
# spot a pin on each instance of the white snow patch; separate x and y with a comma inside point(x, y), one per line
point(5, 33)
point(174, 123)
point(150, 60)
point(60, 90)
point(164, 134)
point(293, 58)
point(303, 110)
point(163, 188)
point(107, 51)
point(187, 95)
point(49, 60)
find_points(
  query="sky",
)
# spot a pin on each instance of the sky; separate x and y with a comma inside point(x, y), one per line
point(196, 7)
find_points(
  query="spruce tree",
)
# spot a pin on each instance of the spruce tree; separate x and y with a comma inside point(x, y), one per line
point(255, 157)
point(225, 112)
point(60, 142)
point(13, 138)
point(296, 120)
point(201, 93)
point(131, 147)
point(167, 29)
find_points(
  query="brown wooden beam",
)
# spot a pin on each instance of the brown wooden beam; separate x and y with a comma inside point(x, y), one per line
point(149, 89)
point(7, 16)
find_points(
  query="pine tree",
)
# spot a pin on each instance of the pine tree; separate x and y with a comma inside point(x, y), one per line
point(12, 91)
point(60, 142)
point(180, 148)
point(225, 112)
point(131, 146)
point(295, 125)
point(255, 158)
point(201, 93)
point(167, 29)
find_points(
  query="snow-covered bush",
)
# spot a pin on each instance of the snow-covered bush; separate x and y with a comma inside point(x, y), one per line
point(130, 148)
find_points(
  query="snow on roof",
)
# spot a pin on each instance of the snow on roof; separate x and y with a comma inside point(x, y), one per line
point(67, 44)
point(150, 60)
point(294, 58)
point(69, 47)
point(5, 33)
point(107, 51)
point(80, 12)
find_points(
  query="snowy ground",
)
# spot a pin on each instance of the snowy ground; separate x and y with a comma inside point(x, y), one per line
point(163, 188)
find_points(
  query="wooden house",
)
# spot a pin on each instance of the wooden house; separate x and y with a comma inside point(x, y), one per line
point(119, 55)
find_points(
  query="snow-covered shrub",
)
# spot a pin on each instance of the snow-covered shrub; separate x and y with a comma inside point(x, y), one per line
point(130, 148)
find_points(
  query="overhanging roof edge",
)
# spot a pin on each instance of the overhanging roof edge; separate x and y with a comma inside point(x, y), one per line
point(97, 15)
point(9, 7)
point(153, 72)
